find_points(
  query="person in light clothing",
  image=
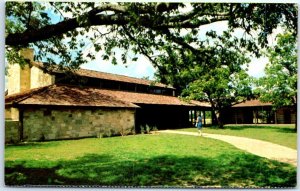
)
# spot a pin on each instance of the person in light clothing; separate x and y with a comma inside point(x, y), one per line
point(199, 124)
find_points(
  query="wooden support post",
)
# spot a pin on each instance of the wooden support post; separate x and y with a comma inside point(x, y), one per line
point(21, 125)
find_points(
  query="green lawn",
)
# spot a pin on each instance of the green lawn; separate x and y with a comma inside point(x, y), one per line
point(143, 160)
point(282, 135)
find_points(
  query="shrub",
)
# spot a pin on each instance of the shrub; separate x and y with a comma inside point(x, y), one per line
point(104, 132)
point(108, 133)
point(148, 128)
point(154, 128)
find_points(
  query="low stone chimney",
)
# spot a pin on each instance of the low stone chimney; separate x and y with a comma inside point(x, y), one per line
point(27, 53)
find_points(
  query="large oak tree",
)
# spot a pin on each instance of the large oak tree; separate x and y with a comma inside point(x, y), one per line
point(141, 28)
point(279, 85)
point(166, 33)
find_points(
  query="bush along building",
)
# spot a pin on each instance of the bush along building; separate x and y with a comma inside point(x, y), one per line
point(51, 105)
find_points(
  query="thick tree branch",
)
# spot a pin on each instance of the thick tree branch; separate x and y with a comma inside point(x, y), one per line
point(58, 29)
point(189, 24)
point(195, 14)
point(95, 18)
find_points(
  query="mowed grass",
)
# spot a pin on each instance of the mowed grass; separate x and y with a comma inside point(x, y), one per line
point(280, 134)
point(143, 160)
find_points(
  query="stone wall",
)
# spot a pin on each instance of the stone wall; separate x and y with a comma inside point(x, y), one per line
point(12, 131)
point(39, 78)
point(51, 124)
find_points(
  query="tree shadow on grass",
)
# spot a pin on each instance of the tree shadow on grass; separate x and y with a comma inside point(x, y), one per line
point(234, 170)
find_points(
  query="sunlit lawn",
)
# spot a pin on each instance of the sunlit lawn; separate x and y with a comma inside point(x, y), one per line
point(143, 160)
point(282, 135)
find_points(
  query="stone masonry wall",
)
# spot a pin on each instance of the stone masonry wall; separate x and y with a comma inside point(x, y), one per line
point(51, 124)
point(11, 131)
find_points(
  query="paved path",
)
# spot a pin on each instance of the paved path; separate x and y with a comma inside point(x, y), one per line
point(254, 146)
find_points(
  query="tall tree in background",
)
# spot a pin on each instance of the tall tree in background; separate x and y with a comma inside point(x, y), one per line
point(279, 85)
point(218, 77)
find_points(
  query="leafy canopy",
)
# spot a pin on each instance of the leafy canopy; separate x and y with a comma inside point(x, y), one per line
point(72, 33)
point(279, 85)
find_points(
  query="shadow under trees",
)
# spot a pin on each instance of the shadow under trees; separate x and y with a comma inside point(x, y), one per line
point(226, 170)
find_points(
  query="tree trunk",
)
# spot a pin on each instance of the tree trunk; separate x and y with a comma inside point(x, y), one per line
point(217, 118)
point(220, 120)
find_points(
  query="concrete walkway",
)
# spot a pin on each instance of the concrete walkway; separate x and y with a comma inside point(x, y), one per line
point(254, 146)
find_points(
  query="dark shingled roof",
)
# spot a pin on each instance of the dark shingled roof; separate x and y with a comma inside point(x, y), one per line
point(108, 76)
point(63, 95)
point(55, 95)
point(144, 98)
point(253, 103)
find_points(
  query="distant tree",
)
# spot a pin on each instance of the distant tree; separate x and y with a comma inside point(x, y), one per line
point(279, 85)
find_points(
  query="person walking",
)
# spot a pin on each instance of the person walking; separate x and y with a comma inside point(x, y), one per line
point(199, 124)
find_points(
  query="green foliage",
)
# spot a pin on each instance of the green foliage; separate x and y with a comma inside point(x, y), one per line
point(126, 131)
point(65, 32)
point(105, 132)
point(279, 86)
point(147, 129)
point(216, 76)
point(159, 161)
point(154, 128)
